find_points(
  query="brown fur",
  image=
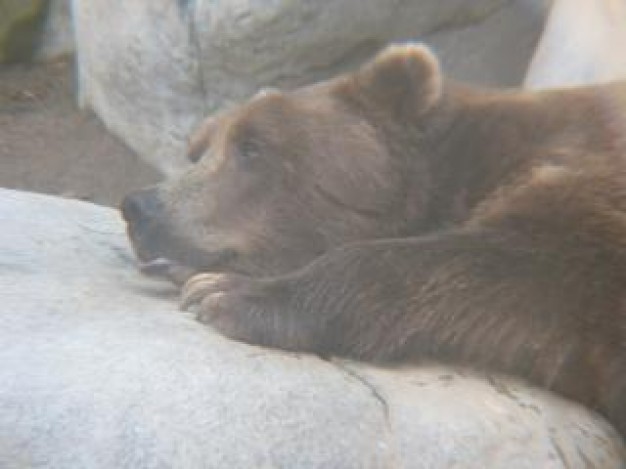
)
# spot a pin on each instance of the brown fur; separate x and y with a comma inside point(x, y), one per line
point(389, 214)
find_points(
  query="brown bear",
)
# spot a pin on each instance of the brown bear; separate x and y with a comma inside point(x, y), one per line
point(391, 215)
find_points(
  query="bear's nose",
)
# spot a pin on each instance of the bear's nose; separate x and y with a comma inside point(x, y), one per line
point(142, 206)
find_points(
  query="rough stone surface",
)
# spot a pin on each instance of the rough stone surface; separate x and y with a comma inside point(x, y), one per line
point(58, 31)
point(495, 51)
point(140, 73)
point(156, 67)
point(582, 43)
point(98, 369)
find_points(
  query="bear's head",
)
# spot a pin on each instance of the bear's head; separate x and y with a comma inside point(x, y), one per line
point(287, 176)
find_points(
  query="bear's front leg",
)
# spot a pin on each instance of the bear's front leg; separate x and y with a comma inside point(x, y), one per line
point(252, 310)
point(529, 306)
point(344, 303)
point(491, 298)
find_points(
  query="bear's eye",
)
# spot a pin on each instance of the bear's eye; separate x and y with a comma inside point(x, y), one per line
point(248, 151)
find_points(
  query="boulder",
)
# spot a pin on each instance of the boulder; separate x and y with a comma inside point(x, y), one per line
point(582, 44)
point(495, 51)
point(99, 369)
point(154, 68)
point(58, 31)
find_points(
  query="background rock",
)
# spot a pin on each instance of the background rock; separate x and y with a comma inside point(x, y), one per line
point(58, 31)
point(155, 68)
point(98, 369)
point(495, 51)
point(138, 71)
point(582, 44)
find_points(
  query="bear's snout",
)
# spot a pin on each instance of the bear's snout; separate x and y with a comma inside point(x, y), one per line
point(142, 207)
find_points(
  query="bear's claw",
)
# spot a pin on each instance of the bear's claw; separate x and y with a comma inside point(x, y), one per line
point(200, 286)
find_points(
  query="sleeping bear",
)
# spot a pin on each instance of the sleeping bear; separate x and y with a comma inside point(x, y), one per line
point(390, 214)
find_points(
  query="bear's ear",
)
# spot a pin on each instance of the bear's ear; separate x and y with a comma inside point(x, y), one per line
point(405, 79)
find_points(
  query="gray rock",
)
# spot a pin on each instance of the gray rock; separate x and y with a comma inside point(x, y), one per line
point(98, 369)
point(582, 44)
point(58, 32)
point(154, 68)
point(495, 51)
point(138, 70)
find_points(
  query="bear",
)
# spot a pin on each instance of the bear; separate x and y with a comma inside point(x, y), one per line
point(394, 215)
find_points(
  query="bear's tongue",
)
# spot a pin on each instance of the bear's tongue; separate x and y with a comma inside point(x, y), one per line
point(165, 268)
point(155, 267)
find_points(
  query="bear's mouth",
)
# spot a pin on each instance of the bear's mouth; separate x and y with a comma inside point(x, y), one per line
point(158, 267)
point(177, 263)
point(160, 253)
point(167, 269)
